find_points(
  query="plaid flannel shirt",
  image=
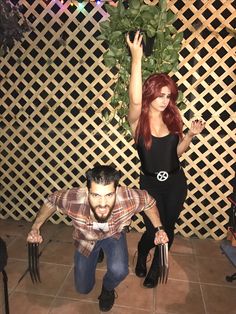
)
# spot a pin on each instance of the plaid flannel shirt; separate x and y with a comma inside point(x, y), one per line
point(74, 203)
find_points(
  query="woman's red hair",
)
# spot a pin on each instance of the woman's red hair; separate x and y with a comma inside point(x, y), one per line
point(171, 115)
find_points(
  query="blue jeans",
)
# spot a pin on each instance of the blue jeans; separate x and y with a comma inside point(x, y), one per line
point(117, 265)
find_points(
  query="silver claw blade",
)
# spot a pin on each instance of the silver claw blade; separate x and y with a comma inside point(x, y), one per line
point(33, 262)
point(163, 263)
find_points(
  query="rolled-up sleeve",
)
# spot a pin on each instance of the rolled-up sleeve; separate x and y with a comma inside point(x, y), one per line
point(149, 201)
point(57, 201)
point(143, 201)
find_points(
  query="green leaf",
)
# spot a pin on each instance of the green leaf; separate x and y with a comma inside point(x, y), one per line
point(161, 25)
point(150, 62)
point(125, 24)
point(181, 105)
point(155, 20)
point(133, 13)
point(101, 37)
point(115, 100)
point(167, 57)
point(151, 31)
point(160, 36)
point(118, 52)
point(178, 38)
point(175, 66)
point(134, 4)
point(180, 97)
point(170, 17)
point(109, 59)
point(121, 9)
point(111, 10)
point(145, 7)
point(106, 116)
point(109, 62)
point(166, 67)
point(163, 5)
point(109, 53)
point(115, 35)
point(122, 112)
point(172, 29)
point(104, 25)
point(163, 18)
point(147, 16)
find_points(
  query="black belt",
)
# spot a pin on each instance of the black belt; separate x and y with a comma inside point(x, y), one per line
point(161, 175)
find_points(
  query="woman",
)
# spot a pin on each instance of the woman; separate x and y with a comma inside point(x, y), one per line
point(157, 129)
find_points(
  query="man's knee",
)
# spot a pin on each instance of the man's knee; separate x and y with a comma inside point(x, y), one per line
point(82, 285)
point(120, 272)
point(83, 290)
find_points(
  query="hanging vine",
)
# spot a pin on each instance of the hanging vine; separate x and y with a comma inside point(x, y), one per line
point(156, 23)
point(13, 25)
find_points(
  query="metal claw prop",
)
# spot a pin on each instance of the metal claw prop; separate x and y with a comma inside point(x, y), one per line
point(33, 261)
point(163, 263)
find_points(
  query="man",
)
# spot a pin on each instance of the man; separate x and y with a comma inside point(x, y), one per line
point(99, 214)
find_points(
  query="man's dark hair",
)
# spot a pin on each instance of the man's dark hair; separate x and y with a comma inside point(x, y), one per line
point(103, 175)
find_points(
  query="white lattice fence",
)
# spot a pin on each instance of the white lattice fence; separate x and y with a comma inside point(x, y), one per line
point(54, 88)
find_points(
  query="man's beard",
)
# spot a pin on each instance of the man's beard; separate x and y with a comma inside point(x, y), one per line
point(101, 219)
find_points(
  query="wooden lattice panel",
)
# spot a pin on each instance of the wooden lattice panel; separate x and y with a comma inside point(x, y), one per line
point(206, 76)
point(54, 88)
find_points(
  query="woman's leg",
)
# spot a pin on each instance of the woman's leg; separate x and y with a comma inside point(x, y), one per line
point(151, 279)
point(173, 204)
point(170, 201)
point(146, 242)
point(170, 197)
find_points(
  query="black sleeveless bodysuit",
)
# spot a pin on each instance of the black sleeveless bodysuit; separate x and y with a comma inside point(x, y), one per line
point(169, 194)
point(162, 155)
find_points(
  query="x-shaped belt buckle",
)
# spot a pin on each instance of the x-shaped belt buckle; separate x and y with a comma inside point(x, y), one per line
point(162, 175)
point(33, 261)
point(163, 263)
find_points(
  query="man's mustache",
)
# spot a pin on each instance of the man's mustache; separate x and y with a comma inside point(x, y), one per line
point(102, 207)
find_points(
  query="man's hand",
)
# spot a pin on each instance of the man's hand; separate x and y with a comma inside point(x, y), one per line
point(34, 236)
point(44, 213)
point(161, 237)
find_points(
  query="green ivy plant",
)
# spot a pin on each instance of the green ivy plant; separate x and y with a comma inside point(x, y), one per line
point(155, 22)
point(13, 25)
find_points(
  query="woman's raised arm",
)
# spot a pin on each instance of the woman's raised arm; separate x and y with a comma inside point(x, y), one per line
point(135, 85)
